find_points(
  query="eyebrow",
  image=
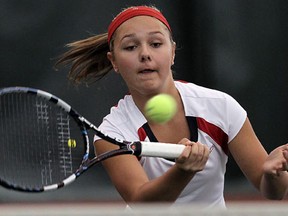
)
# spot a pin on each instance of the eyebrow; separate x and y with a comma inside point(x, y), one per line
point(134, 35)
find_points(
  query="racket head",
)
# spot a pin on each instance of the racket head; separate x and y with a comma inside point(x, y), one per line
point(42, 141)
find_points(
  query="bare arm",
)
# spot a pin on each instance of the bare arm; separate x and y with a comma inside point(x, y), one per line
point(252, 159)
point(132, 183)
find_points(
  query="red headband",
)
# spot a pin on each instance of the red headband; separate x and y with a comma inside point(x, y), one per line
point(132, 12)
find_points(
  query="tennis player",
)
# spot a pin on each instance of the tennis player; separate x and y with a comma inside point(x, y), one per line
point(139, 46)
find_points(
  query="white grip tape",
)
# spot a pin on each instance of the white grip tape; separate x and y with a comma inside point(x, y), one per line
point(166, 150)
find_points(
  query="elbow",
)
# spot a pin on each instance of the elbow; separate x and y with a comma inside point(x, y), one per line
point(275, 195)
point(274, 188)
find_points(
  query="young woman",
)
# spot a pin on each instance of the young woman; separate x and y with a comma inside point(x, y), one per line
point(139, 46)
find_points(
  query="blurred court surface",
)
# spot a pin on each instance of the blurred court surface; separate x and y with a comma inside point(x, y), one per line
point(107, 209)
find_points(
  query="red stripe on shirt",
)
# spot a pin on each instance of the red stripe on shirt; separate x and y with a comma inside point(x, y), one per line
point(142, 134)
point(216, 133)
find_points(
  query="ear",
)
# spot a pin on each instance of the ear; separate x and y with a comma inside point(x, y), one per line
point(173, 52)
point(112, 60)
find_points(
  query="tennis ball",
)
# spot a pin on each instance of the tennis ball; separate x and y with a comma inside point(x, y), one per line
point(72, 143)
point(160, 108)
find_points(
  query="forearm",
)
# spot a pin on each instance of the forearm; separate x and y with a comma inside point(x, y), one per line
point(274, 186)
point(169, 186)
point(165, 188)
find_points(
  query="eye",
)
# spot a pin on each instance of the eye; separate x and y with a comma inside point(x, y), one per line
point(130, 47)
point(156, 44)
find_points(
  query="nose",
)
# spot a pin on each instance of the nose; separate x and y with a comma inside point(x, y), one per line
point(145, 54)
point(145, 58)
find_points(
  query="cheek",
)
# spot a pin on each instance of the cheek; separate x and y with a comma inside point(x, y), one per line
point(166, 57)
point(125, 63)
point(166, 61)
point(125, 68)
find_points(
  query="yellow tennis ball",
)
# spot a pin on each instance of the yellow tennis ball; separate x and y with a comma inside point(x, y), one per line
point(160, 108)
point(71, 143)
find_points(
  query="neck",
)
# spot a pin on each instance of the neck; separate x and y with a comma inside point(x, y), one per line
point(141, 99)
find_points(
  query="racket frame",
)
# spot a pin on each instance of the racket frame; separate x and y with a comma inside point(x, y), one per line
point(136, 148)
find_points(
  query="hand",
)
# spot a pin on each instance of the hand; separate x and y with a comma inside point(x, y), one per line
point(194, 156)
point(277, 161)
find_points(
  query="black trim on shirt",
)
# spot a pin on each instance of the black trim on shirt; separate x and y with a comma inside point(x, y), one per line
point(193, 129)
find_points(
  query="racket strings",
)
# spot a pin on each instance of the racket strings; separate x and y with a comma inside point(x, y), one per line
point(63, 126)
point(36, 143)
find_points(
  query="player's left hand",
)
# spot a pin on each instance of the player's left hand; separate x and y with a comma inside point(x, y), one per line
point(277, 161)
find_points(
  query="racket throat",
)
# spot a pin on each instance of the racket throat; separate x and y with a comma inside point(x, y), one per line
point(135, 147)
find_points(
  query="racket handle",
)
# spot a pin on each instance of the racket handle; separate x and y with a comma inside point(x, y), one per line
point(165, 150)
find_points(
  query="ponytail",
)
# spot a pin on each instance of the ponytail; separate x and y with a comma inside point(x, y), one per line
point(87, 59)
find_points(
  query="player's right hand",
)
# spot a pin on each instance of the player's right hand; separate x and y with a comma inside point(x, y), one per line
point(194, 156)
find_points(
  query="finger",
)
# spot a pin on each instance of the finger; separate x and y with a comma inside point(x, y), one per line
point(285, 154)
point(285, 166)
point(199, 152)
point(206, 152)
point(184, 155)
point(194, 151)
point(184, 141)
point(284, 147)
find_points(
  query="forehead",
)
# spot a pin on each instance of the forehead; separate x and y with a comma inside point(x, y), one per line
point(140, 24)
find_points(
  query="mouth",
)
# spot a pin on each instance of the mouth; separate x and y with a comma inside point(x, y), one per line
point(147, 71)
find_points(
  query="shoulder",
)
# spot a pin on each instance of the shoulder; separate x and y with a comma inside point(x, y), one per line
point(216, 107)
point(192, 90)
point(125, 110)
point(200, 100)
point(123, 118)
point(195, 95)
point(123, 105)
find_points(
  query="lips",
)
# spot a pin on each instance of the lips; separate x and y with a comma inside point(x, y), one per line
point(147, 71)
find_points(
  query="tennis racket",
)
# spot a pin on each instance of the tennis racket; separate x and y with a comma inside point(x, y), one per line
point(44, 143)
